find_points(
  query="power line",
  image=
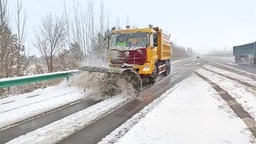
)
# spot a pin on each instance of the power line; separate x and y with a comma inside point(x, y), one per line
point(25, 9)
point(46, 5)
point(41, 2)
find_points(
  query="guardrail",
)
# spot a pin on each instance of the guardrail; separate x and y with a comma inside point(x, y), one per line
point(177, 58)
point(16, 81)
point(220, 55)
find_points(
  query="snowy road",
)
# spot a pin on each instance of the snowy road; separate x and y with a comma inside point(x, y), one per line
point(216, 104)
point(191, 112)
point(230, 62)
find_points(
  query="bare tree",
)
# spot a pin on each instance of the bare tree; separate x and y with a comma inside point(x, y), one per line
point(21, 35)
point(10, 48)
point(107, 20)
point(50, 39)
point(91, 24)
point(118, 23)
point(3, 49)
point(5, 41)
point(83, 26)
point(128, 19)
point(67, 22)
point(101, 17)
point(78, 26)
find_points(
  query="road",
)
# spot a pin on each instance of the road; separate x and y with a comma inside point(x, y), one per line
point(181, 69)
point(99, 129)
point(230, 61)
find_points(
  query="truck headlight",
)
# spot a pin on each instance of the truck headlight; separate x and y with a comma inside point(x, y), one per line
point(146, 68)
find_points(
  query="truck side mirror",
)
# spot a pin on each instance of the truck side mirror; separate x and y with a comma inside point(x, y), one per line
point(107, 38)
point(155, 41)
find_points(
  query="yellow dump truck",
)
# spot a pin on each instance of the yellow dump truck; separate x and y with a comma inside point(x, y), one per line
point(137, 54)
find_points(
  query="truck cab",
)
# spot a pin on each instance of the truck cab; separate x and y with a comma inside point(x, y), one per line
point(147, 50)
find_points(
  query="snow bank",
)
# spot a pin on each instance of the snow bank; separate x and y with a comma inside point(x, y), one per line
point(192, 113)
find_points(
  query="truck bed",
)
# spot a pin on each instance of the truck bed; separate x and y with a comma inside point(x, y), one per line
point(246, 49)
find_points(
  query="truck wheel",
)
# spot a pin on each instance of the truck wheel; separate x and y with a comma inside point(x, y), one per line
point(134, 79)
point(153, 77)
point(167, 67)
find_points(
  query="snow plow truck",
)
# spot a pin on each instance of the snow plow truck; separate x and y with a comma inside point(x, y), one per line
point(137, 54)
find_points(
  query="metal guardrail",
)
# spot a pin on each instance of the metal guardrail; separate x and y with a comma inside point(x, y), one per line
point(16, 81)
point(177, 58)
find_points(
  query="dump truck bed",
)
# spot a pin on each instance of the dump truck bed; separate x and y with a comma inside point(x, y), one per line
point(164, 47)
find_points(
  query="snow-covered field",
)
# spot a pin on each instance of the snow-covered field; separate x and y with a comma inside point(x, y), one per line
point(192, 112)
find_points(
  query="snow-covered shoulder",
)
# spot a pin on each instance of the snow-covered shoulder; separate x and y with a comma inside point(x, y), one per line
point(192, 112)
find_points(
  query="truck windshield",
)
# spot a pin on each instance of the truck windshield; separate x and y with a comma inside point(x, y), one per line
point(131, 40)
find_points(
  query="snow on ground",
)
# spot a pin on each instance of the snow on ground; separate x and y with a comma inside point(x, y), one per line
point(174, 61)
point(231, 74)
point(192, 112)
point(18, 108)
point(65, 127)
point(244, 95)
point(23, 109)
point(227, 59)
point(37, 96)
point(247, 73)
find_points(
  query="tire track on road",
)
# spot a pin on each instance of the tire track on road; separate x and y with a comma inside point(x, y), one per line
point(237, 80)
point(234, 105)
point(15, 130)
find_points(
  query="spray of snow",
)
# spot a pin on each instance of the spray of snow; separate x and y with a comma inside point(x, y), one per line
point(102, 85)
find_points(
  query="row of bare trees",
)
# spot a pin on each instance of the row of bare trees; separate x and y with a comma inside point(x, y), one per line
point(12, 49)
point(77, 35)
point(13, 60)
point(179, 51)
point(64, 41)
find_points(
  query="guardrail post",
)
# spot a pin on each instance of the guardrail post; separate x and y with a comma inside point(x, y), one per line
point(67, 78)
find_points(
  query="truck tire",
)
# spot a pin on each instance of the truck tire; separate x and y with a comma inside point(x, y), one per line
point(134, 79)
point(167, 68)
point(236, 60)
point(153, 77)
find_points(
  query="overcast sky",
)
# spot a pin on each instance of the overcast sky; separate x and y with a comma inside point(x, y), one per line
point(199, 24)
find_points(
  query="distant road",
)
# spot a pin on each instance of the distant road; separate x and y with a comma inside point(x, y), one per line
point(230, 61)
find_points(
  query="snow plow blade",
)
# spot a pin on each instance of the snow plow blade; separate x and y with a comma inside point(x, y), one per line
point(102, 69)
point(129, 75)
